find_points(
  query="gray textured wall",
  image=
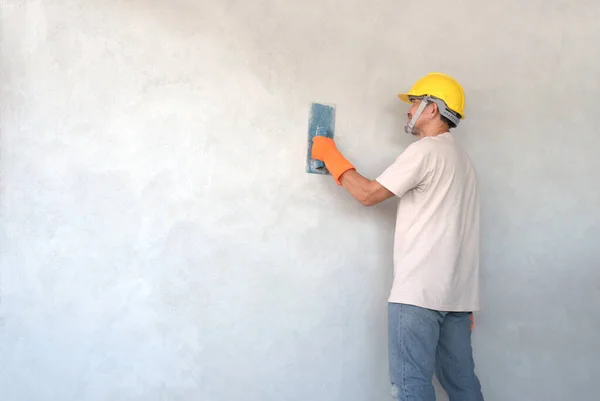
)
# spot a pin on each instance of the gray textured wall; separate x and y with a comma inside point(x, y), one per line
point(161, 241)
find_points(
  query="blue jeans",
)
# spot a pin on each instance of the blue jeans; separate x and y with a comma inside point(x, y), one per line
point(423, 342)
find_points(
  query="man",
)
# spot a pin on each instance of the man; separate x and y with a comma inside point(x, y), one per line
point(436, 245)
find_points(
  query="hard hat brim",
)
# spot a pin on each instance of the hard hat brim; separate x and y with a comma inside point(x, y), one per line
point(404, 97)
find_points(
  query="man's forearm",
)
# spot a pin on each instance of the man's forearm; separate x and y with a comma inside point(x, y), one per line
point(368, 192)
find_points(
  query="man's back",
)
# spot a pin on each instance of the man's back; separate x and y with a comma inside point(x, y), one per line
point(436, 251)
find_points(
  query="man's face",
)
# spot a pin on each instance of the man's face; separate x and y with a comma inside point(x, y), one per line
point(425, 116)
point(412, 111)
point(413, 108)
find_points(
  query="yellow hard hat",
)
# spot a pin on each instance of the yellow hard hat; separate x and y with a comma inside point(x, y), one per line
point(440, 86)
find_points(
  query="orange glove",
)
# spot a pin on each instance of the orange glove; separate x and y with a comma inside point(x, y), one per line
point(324, 149)
point(472, 323)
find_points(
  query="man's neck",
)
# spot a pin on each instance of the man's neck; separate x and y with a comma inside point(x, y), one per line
point(434, 132)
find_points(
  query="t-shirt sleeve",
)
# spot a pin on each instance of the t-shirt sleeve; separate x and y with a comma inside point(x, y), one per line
point(407, 171)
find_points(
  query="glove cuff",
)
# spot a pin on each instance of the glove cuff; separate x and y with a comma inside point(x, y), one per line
point(337, 165)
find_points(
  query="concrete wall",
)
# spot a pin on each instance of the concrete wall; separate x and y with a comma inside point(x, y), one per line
point(161, 241)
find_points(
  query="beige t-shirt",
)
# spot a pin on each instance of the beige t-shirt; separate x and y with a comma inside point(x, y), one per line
point(436, 244)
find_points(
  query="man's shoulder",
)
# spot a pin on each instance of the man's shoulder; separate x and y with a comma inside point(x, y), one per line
point(421, 144)
point(425, 146)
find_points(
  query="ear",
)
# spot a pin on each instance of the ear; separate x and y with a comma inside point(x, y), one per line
point(433, 110)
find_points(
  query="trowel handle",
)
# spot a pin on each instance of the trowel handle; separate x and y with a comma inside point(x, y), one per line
point(321, 131)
